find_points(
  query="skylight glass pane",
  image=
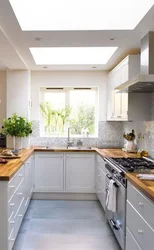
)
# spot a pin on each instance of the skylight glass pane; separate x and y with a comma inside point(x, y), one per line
point(72, 55)
point(80, 14)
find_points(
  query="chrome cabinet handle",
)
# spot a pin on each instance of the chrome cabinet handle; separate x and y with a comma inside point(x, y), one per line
point(12, 204)
point(20, 215)
point(20, 193)
point(12, 186)
point(12, 222)
point(20, 175)
point(140, 231)
point(141, 204)
point(12, 239)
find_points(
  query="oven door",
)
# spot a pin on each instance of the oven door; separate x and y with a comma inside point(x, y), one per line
point(117, 220)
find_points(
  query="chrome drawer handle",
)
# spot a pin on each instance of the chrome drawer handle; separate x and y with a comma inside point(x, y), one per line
point(12, 204)
point(12, 239)
point(20, 215)
point(12, 222)
point(12, 186)
point(140, 231)
point(20, 175)
point(20, 193)
point(141, 204)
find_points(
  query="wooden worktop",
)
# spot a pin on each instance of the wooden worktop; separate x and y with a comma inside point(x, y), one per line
point(115, 153)
point(145, 186)
point(9, 169)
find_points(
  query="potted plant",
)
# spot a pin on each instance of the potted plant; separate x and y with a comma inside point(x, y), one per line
point(16, 127)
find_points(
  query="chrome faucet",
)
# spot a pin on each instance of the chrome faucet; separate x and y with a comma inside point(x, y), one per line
point(69, 142)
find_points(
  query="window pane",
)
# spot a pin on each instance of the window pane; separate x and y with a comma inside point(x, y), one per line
point(83, 103)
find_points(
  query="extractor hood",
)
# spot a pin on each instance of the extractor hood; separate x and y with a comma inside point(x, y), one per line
point(144, 81)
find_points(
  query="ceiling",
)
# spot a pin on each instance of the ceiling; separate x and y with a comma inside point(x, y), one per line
point(15, 43)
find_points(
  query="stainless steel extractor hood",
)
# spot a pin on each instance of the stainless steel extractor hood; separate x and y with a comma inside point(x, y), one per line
point(143, 82)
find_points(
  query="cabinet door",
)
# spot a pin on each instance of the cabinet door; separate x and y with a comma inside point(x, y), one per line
point(124, 105)
point(110, 98)
point(49, 172)
point(125, 73)
point(28, 180)
point(80, 172)
point(117, 105)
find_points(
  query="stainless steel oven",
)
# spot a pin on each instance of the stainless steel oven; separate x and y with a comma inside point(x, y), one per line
point(117, 220)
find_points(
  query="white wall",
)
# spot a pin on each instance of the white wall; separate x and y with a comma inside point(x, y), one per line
point(18, 93)
point(2, 96)
point(68, 79)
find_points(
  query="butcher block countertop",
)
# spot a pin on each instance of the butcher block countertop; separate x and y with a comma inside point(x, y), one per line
point(146, 187)
point(8, 170)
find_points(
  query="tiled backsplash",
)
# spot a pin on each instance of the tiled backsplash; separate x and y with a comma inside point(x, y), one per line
point(109, 135)
point(146, 129)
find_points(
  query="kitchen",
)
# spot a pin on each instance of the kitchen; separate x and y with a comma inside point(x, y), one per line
point(65, 172)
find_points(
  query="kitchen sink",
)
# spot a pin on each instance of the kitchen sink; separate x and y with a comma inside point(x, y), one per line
point(65, 147)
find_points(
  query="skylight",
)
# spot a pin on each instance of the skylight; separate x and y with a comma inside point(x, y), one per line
point(72, 55)
point(80, 14)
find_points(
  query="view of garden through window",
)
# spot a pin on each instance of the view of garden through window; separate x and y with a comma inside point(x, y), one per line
point(69, 107)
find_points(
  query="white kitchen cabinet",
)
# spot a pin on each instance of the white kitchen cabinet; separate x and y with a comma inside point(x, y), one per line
point(117, 104)
point(49, 172)
point(29, 175)
point(13, 197)
point(79, 170)
point(100, 175)
point(139, 220)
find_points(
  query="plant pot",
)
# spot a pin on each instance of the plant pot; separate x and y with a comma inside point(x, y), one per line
point(17, 142)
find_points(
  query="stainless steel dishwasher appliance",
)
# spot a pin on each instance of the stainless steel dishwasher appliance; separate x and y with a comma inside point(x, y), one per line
point(116, 169)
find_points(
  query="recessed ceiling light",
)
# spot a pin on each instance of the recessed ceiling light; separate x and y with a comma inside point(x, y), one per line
point(45, 67)
point(38, 38)
point(72, 55)
point(94, 67)
point(76, 15)
point(112, 38)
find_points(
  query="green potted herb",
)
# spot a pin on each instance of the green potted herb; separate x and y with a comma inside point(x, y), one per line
point(16, 126)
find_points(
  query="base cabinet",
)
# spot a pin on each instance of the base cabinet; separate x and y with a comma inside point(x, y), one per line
point(79, 170)
point(139, 221)
point(13, 200)
point(49, 172)
point(100, 180)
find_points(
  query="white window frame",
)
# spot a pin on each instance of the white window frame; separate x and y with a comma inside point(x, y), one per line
point(67, 102)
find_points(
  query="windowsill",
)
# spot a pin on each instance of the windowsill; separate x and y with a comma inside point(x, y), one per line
point(71, 136)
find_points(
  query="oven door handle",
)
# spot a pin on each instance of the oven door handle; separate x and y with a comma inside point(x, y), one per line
point(114, 225)
point(109, 177)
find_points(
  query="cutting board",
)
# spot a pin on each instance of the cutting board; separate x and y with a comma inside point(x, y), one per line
point(10, 157)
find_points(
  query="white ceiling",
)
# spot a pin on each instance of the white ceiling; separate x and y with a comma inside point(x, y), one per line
point(15, 43)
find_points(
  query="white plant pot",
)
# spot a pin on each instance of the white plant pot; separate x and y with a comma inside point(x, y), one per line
point(130, 146)
point(17, 142)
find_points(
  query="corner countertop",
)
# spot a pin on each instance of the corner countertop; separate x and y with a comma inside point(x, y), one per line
point(9, 169)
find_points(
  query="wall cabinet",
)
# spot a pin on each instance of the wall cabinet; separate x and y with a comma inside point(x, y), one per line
point(117, 105)
point(80, 172)
point(139, 221)
point(49, 172)
point(14, 199)
point(100, 174)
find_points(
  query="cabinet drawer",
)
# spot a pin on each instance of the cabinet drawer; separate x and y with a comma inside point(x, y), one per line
point(18, 196)
point(131, 243)
point(11, 225)
point(100, 160)
point(100, 177)
point(19, 176)
point(11, 239)
point(142, 204)
point(11, 188)
point(11, 206)
point(141, 231)
point(19, 217)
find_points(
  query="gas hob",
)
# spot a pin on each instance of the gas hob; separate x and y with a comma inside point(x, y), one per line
point(138, 165)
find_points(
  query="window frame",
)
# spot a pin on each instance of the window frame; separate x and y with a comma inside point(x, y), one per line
point(67, 90)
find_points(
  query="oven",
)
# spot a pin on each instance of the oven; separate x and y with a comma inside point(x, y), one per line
point(117, 220)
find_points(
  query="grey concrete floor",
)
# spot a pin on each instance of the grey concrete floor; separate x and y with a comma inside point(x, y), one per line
point(65, 225)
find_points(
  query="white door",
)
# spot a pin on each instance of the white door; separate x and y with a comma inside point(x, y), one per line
point(80, 172)
point(49, 172)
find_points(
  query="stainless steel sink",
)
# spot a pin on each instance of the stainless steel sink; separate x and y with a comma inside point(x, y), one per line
point(65, 147)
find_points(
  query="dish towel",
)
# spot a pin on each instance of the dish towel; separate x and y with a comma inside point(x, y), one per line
point(149, 177)
point(111, 198)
